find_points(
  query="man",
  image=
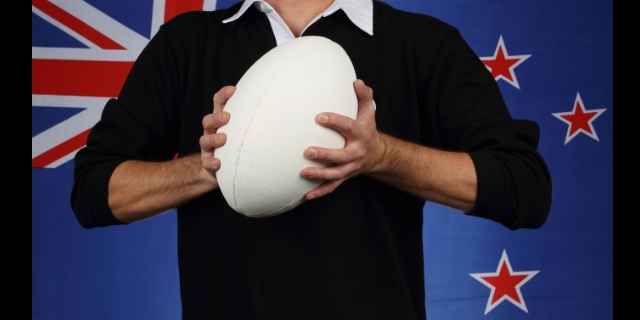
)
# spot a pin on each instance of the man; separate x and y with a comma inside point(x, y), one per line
point(438, 131)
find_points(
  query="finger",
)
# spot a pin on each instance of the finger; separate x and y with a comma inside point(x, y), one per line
point(363, 91)
point(330, 173)
point(208, 142)
point(342, 124)
point(327, 155)
point(210, 163)
point(220, 98)
point(213, 121)
point(364, 94)
point(324, 189)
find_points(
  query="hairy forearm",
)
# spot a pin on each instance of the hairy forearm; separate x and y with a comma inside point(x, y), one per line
point(445, 177)
point(139, 189)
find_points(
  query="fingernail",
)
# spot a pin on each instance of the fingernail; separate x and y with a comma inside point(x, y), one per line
point(307, 173)
point(311, 153)
point(322, 118)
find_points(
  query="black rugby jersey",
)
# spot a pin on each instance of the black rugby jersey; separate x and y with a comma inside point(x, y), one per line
point(356, 253)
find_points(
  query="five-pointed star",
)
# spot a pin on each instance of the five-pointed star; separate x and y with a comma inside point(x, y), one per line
point(505, 284)
point(502, 65)
point(579, 120)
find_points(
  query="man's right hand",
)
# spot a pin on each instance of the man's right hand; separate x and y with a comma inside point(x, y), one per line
point(140, 189)
point(210, 140)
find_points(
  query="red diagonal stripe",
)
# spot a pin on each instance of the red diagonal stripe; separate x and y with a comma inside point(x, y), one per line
point(76, 24)
point(78, 78)
point(60, 150)
point(173, 8)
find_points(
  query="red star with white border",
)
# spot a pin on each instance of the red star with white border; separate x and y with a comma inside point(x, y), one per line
point(502, 65)
point(505, 284)
point(580, 120)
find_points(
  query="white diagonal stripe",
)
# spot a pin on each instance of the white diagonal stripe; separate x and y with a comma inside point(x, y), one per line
point(70, 127)
point(209, 5)
point(105, 24)
point(82, 102)
point(86, 54)
point(62, 27)
point(157, 16)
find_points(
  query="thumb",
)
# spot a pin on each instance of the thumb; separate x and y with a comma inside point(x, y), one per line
point(364, 94)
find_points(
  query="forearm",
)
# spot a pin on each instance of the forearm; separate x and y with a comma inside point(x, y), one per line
point(445, 177)
point(139, 189)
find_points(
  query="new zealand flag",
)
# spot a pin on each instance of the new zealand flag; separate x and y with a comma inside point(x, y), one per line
point(552, 61)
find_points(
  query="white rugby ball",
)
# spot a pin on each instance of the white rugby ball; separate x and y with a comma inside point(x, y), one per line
point(272, 122)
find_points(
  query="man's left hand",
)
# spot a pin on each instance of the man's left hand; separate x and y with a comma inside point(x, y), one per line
point(363, 152)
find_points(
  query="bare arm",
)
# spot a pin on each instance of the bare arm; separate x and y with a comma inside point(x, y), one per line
point(140, 189)
point(440, 176)
point(510, 186)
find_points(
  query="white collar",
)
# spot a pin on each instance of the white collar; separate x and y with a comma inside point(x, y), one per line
point(360, 12)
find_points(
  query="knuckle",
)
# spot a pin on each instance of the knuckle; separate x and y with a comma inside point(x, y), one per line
point(220, 138)
point(347, 126)
point(219, 120)
point(356, 151)
point(344, 156)
point(206, 120)
point(206, 163)
point(215, 164)
point(210, 140)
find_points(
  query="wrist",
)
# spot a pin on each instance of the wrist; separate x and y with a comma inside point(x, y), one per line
point(381, 151)
point(207, 179)
point(202, 177)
